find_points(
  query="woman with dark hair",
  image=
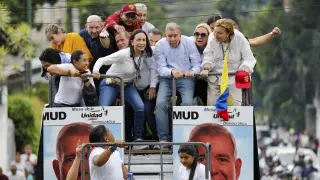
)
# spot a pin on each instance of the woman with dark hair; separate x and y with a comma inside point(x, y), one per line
point(191, 169)
point(105, 162)
point(126, 63)
point(52, 56)
point(212, 21)
point(70, 88)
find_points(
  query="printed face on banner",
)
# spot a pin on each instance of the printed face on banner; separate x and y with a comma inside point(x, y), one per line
point(63, 127)
point(228, 160)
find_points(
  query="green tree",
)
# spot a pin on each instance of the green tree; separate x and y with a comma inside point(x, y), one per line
point(20, 9)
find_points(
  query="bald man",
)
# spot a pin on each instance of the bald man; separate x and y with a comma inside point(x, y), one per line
point(99, 44)
point(67, 139)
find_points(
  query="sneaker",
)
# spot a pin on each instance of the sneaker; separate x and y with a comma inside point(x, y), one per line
point(140, 147)
point(164, 147)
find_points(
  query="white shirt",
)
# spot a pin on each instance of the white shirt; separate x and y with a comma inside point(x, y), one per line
point(199, 174)
point(239, 54)
point(112, 170)
point(70, 88)
point(122, 65)
point(18, 176)
point(148, 73)
point(147, 27)
point(28, 164)
point(20, 165)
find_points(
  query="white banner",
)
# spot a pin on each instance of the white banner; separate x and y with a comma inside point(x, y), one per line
point(64, 127)
point(91, 115)
point(193, 115)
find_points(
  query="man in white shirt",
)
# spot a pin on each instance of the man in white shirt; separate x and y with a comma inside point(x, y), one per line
point(13, 174)
point(122, 39)
point(105, 162)
point(29, 159)
point(142, 18)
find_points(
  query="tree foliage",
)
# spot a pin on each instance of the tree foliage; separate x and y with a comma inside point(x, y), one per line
point(21, 112)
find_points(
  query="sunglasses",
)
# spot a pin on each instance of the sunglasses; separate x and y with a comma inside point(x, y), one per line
point(202, 35)
point(130, 15)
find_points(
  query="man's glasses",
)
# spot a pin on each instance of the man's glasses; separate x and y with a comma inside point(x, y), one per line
point(202, 35)
point(131, 15)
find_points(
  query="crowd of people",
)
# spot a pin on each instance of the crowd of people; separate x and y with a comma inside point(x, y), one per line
point(22, 167)
point(128, 46)
point(301, 163)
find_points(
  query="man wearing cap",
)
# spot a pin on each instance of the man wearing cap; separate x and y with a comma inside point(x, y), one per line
point(123, 20)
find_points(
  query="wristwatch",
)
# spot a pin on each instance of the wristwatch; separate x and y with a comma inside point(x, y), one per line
point(112, 148)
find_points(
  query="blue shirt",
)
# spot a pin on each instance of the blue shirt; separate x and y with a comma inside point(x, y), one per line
point(184, 57)
point(95, 47)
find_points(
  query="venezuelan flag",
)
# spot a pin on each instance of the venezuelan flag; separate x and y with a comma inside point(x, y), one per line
point(222, 101)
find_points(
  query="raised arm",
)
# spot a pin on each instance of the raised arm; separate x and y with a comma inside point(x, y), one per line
point(261, 40)
point(74, 170)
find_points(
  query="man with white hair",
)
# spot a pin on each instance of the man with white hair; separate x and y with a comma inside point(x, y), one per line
point(142, 18)
point(99, 42)
point(177, 57)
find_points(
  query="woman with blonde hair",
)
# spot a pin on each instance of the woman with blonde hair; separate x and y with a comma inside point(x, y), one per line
point(67, 42)
point(226, 39)
point(201, 34)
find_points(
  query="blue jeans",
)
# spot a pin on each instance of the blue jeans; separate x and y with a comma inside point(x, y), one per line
point(186, 89)
point(108, 95)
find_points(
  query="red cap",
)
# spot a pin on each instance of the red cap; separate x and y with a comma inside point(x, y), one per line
point(128, 8)
point(243, 80)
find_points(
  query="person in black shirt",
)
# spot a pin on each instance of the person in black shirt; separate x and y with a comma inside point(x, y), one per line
point(99, 41)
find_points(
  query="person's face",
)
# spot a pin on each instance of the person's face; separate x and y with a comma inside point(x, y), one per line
point(154, 38)
point(17, 157)
point(13, 170)
point(56, 39)
point(142, 16)
point(186, 159)
point(129, 18)
point(139, 42)
point(83, 63)
point(212, 26)
point(220, 34)
point(224, 165)
point(94, 28)
point(46, 64)
point(109, 136)
point(28, 149)
point(173, 36)
point(201, 36)
point(62, 166)
point(122, 41)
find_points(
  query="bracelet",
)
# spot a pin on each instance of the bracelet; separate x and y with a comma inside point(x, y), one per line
point(112, 148)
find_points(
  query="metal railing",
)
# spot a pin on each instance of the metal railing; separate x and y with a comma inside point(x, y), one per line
point(207, 147)
point(52, 87)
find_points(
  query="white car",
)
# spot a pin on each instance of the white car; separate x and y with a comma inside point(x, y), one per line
point(287, 155)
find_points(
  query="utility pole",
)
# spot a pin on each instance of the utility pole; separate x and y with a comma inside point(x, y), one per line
point(27, 60)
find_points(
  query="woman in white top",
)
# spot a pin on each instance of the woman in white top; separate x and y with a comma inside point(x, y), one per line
point(190, 169)
point(71, 85)
point(240, 58)
point(126, 64)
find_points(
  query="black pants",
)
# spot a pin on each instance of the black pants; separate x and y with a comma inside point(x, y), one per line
point(200, 90)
